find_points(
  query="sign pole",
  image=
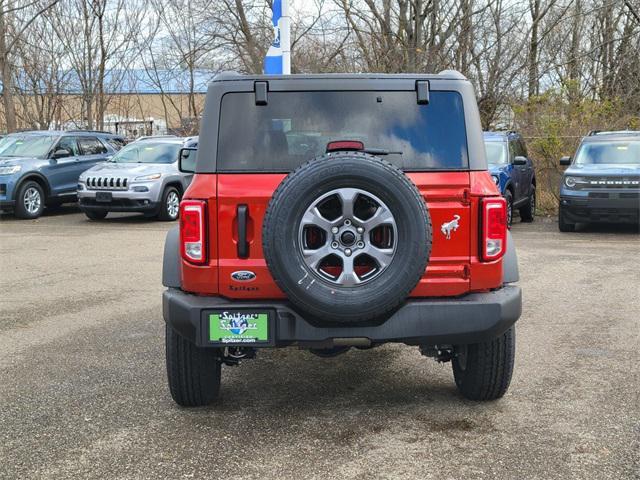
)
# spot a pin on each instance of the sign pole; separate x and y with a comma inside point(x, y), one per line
point(285, 38)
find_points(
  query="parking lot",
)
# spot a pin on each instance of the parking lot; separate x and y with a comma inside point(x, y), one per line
point(83, 387)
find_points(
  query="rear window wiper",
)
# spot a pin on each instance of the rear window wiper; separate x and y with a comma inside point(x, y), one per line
point(380, 151)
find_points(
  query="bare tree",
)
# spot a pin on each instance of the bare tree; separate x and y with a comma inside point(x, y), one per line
point(14, 22)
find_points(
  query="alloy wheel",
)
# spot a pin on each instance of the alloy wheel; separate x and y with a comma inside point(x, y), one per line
point(173, 204)
point(32, 200)
point(348, 236)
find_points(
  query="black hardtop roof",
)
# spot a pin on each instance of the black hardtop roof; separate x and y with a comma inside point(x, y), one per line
point(444, 75)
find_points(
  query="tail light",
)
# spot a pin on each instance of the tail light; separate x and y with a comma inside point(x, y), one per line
point(192, 231)
point(494, 228)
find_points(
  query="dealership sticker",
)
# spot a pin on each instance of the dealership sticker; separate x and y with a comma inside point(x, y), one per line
point(239, 327)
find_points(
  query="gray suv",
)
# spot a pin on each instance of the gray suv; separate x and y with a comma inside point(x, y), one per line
point(142, 177)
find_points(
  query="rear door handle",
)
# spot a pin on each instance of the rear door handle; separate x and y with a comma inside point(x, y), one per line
point(242, 212)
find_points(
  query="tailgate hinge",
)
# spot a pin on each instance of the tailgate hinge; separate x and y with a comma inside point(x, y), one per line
point(260, 91)
point(466, 272)
point(466, 196)
point(422, 92)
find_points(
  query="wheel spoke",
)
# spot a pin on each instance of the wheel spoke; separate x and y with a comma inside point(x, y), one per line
point(348, 276)
point(314, 257)
point(380, 217)
point(315, 218)
point(382, 256)
point(348, 199)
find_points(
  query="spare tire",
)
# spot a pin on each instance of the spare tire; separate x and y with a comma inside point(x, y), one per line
point(347, 236)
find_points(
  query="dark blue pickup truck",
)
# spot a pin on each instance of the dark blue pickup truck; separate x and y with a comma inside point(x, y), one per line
point(602, 181)
point(512, 171)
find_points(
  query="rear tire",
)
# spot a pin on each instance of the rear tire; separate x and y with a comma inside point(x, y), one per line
point(528, 212)
point(96, 214)
point(563, 225)
point(482, 371)
point(169, 205)
point(193, 373)
point(29, 200)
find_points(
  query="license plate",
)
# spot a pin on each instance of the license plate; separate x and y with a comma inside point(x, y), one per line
point(104, 196)
point(240, 327)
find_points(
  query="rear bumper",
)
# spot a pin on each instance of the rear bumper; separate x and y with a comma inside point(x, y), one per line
point(473, 318)
point(605, 206)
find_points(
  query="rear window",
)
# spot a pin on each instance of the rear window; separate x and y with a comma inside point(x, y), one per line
point(296, 126)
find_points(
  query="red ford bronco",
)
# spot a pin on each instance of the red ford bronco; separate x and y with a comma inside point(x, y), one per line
point(338, 211)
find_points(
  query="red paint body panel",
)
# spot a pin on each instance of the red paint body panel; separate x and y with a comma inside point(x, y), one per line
point(454, 267)
point(203, 279)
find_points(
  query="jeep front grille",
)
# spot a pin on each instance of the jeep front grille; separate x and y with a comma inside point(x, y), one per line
point(107, 183)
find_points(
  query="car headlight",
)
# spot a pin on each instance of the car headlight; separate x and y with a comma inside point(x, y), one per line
point(496, 180)
point(570, 181)
point(9, 170)
point(153, 176)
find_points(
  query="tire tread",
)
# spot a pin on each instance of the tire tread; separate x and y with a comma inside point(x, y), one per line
point(193, 373)
point(489, 368)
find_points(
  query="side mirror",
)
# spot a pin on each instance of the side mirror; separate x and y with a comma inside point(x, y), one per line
point(187, 159)
point(520, 160)
point(565, 161)
point(61, 153)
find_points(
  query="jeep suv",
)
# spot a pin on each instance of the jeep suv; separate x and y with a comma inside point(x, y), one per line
point(602, 183)
point(336, 211)
point(42, 167)
point(142, 177)
point(512, 171)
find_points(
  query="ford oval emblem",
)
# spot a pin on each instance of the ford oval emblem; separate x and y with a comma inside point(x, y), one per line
point(243, 276)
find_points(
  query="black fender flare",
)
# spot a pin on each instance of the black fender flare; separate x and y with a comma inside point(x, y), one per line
point(171, 259)
point(506, 187)
point(510, 272)
point(32, 176)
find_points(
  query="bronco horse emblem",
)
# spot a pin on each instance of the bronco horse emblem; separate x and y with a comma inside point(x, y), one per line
point(451, 226)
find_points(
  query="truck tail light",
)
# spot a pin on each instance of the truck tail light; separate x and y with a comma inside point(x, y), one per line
point(192, 231)
point(494, 228)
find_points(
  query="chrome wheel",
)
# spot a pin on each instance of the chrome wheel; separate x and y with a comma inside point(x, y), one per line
point(173, 204)
point(32, 200)
point(347, 236)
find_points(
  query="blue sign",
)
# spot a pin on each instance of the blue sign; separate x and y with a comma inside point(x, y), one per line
point(273, 60)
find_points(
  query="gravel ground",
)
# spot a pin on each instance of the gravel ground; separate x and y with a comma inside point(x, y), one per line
point(83, 391)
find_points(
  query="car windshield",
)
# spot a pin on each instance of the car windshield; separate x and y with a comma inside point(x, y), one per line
point(614, 152)
point(295, 127)
point(148, 152)
point(35, 146)
point(496, 153)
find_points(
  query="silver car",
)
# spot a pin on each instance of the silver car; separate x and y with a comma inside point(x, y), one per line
point(142, 177)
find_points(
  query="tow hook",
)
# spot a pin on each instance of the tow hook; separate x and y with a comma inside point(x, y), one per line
point(440, 353)
point(233, 355)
